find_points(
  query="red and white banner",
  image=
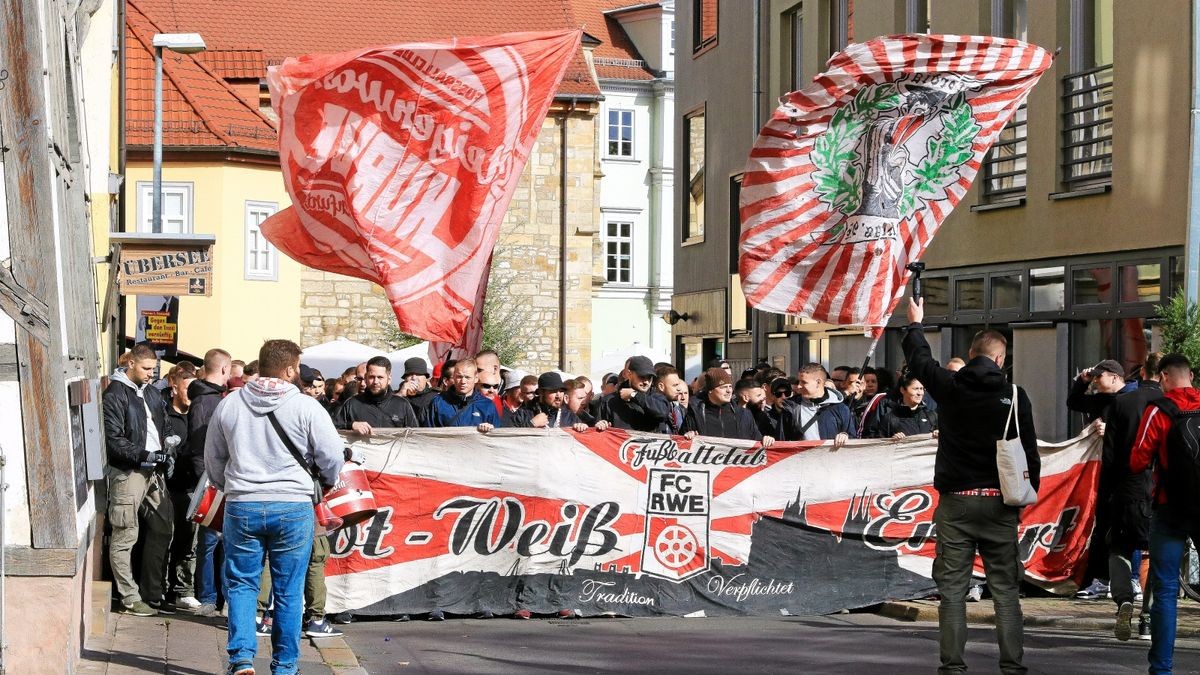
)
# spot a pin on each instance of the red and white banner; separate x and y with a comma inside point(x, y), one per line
point(401, 161)
point(646, 525)
point(852, 177)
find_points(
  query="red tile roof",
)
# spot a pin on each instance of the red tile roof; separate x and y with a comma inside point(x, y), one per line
point(283, 28)
point(234, 64)
point(616, 57)
point(199, 108)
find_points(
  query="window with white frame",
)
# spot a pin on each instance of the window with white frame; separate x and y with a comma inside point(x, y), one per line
point(176, 207)
point(618, 252)
point(620, 133)
point(262, 259)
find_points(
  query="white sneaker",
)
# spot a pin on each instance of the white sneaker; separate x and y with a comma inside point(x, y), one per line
point(1137, 591)
point(1097, 591)
point(187, 602)
point(975, 594)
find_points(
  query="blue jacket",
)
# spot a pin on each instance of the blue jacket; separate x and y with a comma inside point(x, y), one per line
point(448, 409)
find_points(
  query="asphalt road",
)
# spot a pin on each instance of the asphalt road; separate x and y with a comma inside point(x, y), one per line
point(847, 643)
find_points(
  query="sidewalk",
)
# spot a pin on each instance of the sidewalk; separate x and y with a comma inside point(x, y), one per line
point(193, 645)
point(1065, 613)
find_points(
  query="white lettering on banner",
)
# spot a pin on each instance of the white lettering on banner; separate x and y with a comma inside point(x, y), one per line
point(594, 591)
point(742, 590)
point(581, 532)
point(637, 452)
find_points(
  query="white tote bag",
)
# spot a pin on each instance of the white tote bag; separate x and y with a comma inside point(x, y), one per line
point(1012, 465)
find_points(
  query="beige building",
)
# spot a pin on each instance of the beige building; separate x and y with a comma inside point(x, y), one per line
point(1073, 230)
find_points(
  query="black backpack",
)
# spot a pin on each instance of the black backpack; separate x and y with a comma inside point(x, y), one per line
point(1181, 479)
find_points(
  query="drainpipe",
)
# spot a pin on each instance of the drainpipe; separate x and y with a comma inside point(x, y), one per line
point(1191, 282)
point(654, 292)
point(756, 354)
point(562, 238)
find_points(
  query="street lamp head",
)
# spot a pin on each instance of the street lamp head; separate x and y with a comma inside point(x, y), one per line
point(183, 43)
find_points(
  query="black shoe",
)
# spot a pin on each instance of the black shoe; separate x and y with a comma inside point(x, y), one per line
point(437, 615)
point(342, 618)
point(487, 614)
point(162, 607)
point(1144, 628)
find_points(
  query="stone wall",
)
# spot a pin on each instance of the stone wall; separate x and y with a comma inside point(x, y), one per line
point(525, 266)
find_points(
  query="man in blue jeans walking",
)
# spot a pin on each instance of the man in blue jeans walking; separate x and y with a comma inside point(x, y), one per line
point(269, 507)
point(1176, 509)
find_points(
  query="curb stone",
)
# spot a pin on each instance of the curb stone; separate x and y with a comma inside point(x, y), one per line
point(337, 654)
point(981, 613)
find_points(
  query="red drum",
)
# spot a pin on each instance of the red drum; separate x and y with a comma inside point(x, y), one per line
point(207, 507)
point(351, 499)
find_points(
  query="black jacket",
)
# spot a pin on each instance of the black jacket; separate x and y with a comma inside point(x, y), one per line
point(184, 478)
point(421, 402)
point(125, 421)
point(973, 405)
point(720, 421)
point(204, 396)
point(559, 418)
point(644, 411)
point(769, 420)
point(1093, 406)
point(899, 418)
point(1123, 419)
point(384, 410)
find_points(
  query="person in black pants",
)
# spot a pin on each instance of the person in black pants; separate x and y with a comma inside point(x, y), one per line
point(971, 516)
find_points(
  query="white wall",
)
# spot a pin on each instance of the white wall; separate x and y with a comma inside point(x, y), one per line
point(96, 54)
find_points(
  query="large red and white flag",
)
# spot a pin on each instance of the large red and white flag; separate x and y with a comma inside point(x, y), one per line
point(401, 160)
point(851, 178)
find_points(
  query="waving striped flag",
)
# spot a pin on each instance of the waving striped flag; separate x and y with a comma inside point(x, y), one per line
point(852, 176)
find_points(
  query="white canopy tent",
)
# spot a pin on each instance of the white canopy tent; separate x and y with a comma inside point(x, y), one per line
point(399, 356)
point(334, 357)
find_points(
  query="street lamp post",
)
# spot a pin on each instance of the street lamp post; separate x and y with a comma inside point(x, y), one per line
point(183, 43)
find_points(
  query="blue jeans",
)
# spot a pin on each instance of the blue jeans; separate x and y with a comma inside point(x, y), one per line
point(209, 584)
point(1167, 543)
point(284, 532)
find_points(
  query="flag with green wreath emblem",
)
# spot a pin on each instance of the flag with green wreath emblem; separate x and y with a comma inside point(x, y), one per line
point(853, 175)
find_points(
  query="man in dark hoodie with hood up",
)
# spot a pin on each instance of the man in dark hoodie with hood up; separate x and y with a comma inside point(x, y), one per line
point(205, 393)
point(971, 515)
point(817, 412)
point(632, 406)
point(134, 422)
point(713, 413)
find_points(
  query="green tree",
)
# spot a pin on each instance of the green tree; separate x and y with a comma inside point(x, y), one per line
point(1181, 327)
point(507, 320)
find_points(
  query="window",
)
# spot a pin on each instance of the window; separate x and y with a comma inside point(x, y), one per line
point(1092, 285)
point(704, 24)
point(1047, 289)
point(1010, 19)
point(968, 294)
point(1087, 96)
point(1141, 283)
point(795, 19)
point(840, 24)
point(735, 222)
point(618, 253)
point(936, 291)
point(672, 36)
point(620, 133)
point(1005, 291)
point(262, 259)
point(693, 130)
point(916, 16)
point(176, 207)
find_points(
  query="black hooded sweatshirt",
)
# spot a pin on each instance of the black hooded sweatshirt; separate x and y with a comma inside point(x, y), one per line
point(383, 410)
point(204, 396)
point(973, 405)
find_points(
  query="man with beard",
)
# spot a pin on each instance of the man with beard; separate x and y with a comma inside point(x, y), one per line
point(375, 406)
point(714, 414)
point(818, 412)
point(668, 386)
point(547, 410)
point(630, 406)
point(204, 394)
point(416, 387)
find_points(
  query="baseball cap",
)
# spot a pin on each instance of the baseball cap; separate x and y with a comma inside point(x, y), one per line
point(307, 374)
point(716, 377)
point(641, 366)
point(416, 366)
point(551, 381)
point(1108, 366)
point(781, 387)
point(512, 378)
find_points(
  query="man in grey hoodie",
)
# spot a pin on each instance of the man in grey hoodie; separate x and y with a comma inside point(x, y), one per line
point(269, 507)
point(819, 412)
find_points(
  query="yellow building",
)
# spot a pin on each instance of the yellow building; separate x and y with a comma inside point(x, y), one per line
point(220, 177)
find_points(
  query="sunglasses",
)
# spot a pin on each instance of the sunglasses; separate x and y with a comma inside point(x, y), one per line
point(782, 393)
point(492, 387)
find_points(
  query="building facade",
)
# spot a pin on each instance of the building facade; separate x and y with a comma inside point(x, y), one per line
point(1075, 226)
point(635, 65)
point(54, 166)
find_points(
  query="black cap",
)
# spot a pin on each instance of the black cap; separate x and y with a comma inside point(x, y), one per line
point(307, 375)
point(416, 366)
point(550, 382)
point(641, 366)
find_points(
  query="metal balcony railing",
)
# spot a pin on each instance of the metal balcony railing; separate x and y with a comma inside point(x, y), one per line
point(1004, 166)
point(1087, 127)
